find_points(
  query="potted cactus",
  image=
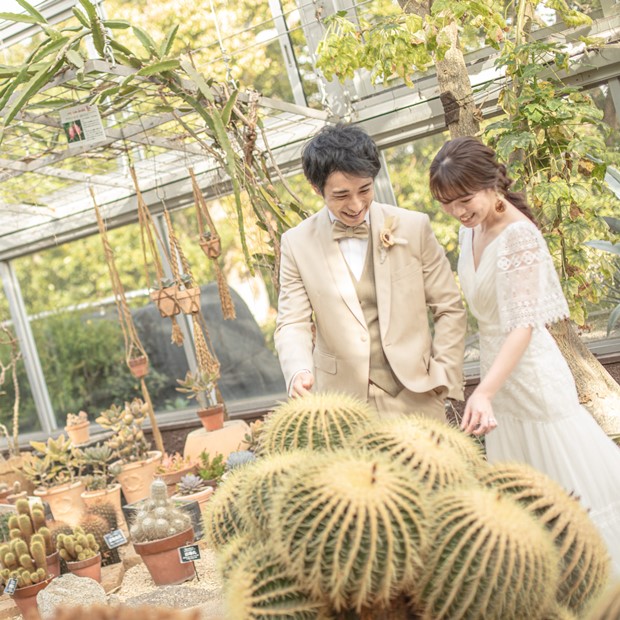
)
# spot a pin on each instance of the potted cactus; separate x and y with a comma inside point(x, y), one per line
point(136, 463)
point(192, 488)
point(203, 388)
point(26, 563)
point(78, 428)
point(157, 531)
point(172, 468)
point(210, 469)
point(54, 469)
point(81, 553)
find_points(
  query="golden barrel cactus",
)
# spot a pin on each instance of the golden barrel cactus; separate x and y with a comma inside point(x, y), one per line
point(489, 560)
point(351, 526)
point(320, 421)
point(584, 559)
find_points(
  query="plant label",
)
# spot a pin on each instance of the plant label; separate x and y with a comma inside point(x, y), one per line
point(189, 553)
point(115, 538)
point(10, 586)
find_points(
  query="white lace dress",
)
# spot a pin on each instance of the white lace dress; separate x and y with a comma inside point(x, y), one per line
point(540, 420)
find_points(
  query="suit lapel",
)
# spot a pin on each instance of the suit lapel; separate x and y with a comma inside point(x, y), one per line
point(338, 267)
point(383, 285)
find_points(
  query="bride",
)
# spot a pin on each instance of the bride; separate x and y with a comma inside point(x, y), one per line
point(527, 395)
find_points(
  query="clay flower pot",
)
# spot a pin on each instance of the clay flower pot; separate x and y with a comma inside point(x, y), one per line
point(26, 598)
point(135, 478)
point(201, 497)
point(87, 568)
point(174, 477)
point(111, 495)
point(166, 300)
point(212, 418)
point(139, 366)
point(211, 246)
point(162, 558)
point(79, 433)
point(189, 300)
point(53, 564)
point(65, 501)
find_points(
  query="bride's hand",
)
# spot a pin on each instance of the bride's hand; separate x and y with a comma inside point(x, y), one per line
point(478, 418)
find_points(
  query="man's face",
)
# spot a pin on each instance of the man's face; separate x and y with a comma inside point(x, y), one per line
point(348, 197)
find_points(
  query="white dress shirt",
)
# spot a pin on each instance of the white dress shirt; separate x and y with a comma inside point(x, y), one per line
point(353, 249)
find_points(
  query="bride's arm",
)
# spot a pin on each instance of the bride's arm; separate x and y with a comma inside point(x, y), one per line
point(478, 417)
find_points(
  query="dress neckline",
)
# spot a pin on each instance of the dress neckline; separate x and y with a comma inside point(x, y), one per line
point(473, 258)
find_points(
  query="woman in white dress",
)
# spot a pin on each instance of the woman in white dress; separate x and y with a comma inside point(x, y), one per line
point(526, 402)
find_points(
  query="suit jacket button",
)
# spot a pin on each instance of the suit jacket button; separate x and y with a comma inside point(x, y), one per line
point(363, 337)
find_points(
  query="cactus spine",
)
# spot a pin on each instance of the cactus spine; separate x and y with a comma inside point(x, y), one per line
point(489, 559)
point(98, 520)
point(158, 517)
point(424, 452)
point(608, 607)
point(77, 546)
point(585, 561)
point(351, 526)
point(23, 562)
point(28, 521)
point(318, 421)
point(260, 586)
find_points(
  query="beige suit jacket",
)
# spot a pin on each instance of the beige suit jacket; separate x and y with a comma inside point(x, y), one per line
point(412, 281)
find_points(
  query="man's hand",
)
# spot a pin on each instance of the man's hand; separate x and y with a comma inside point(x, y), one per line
point(302, 384)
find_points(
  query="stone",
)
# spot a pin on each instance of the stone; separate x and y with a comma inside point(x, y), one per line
point(71, 591)
point(176, 597)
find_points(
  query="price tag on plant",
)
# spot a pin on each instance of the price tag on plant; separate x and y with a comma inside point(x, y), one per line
point(189, 553)
point(10, 586)
point(115, 538)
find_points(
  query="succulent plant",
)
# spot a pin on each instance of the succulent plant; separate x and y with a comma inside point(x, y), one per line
point(201, 386)
point(52, 463)
point(488, 558)
point(28, 521)
point(24, 562)
point(98, 467)
point(173, 462)
point(158, 517)
point(190, 484)
point(351, 525)
point(239, 458)
point(99, 520)
point(585, 565)
point(128, 440)
point(259, 585)
point(426, 454)
point(211, 468)
point(74, 419)
point(77, 546)
point(320, 421)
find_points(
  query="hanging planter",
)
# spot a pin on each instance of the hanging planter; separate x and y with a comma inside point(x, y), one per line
point(211, 245)
point(139, 366)
point(189, 300)
point(165, 299)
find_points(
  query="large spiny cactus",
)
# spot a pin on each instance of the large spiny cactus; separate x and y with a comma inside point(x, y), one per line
point(260, 586)
point(318, 421)
point(351, 525)
point(430, 458)
point(158, 517)
point(585, 561)
point(608, 607)
point(489, 559)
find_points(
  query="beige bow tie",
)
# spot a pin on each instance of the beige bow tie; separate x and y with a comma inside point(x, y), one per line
point(342, 231)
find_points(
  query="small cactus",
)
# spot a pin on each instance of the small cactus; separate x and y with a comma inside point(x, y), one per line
point(77, 546)
point(99, 520)
point(158, 517)
point(351, 525)
point(190, 484)
point(488, 558)
point(320, 421)
point(24, 562)
point(28, 521)
point(585, 563)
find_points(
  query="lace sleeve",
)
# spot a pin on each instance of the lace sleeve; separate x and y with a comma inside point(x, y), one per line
point(528, 289)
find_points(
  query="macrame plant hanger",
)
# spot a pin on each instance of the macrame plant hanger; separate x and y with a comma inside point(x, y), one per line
point(211, 245)
point(135, 355)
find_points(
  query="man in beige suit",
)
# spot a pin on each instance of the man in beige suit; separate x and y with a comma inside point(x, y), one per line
point(366, 275)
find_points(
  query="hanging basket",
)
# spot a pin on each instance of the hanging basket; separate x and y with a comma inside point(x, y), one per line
point(211, 245)
point(139, 366)
point(189, 300)
point(166, 301)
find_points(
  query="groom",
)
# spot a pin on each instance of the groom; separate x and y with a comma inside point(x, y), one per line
point(357, 282)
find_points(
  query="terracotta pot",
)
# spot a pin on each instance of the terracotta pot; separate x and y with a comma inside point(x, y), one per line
point(212, 418)
point(189, 300)
point(12, 499)
point(79, 433)
point(111, 495)
point(162, 558)
point(4, 496)
point(201, 497)
point(65, 501)
point(135, 478)
point(211, 246)
point(26, 599)
point(11, 471)
point(166, 301)
point(139, 366)
point(53, 564)
point(172, 478)
point(87, 568)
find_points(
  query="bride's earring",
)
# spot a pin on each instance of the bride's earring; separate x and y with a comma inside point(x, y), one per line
point(500, 207)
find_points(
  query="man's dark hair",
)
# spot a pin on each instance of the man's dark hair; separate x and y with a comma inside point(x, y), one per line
point(339, 148)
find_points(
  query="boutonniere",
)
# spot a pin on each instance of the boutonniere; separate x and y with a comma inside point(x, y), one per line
point(387, 238)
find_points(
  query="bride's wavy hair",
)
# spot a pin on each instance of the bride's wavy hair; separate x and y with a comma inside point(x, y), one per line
point(464, 166)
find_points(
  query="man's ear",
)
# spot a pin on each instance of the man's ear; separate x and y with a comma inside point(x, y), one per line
point(317, 191)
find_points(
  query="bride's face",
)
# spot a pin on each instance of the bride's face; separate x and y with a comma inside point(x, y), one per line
point(472, 209)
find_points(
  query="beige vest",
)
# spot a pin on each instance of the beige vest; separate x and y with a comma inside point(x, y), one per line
point(380, 372)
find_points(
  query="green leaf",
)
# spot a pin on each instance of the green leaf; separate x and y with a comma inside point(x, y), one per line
point(614, 317)
point(203, 87)
point(96, 27)
point(32, 11)
point(166, 46)
point(146, 40)
point(159, 67)
point(19, 17)
point(227, 111)
point(116, 24)
point(605, 246)
point(50, 48)
point(75, 58)
point(81, 17)
point(613, 223)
